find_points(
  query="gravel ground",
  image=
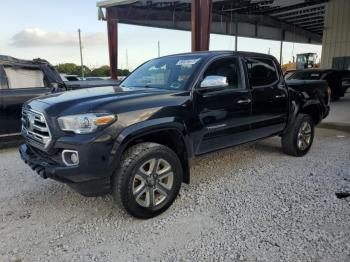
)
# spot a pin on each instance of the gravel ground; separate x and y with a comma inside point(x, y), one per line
point(249, 203)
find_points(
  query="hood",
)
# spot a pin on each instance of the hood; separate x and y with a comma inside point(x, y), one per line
point(87, 94)
point(99, 99)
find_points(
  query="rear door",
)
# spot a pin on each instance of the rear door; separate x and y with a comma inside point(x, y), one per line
point(23, 85)
point(269, 96)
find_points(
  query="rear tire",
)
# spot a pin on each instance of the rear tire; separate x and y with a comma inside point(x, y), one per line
point(298, 141)
point(148, 180)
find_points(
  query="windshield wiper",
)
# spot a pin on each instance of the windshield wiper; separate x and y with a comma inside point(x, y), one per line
point(145, 86)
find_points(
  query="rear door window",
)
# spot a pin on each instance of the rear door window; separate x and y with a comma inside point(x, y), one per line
point(261, 72)
point(24, 78)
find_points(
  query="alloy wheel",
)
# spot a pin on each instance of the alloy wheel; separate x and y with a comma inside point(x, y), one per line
point(153, 182)
point(304, 136)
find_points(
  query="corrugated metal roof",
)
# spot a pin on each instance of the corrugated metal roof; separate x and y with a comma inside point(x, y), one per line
point(299, 15)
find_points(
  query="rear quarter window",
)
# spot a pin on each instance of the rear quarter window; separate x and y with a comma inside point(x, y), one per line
point(24, 78)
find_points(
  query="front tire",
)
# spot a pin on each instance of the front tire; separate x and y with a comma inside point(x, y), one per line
point(148, 180)
point(298, 141)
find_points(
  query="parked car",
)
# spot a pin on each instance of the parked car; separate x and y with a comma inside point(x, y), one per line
point(96, 78)
point(338, 80)
point(136, 140)
point(66, 77)
point(22, 80)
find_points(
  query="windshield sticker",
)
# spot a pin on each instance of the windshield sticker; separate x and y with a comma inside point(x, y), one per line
point(187, 62)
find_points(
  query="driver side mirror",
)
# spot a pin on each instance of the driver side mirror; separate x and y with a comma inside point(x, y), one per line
point(214, 82)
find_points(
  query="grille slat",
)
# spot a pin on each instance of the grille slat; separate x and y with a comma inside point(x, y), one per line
point(35, 129)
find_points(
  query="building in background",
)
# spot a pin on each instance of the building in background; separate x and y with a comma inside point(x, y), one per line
point(336, 36)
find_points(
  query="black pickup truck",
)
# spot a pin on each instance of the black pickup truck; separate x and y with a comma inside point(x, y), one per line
point(337, 80)
point(136, 140)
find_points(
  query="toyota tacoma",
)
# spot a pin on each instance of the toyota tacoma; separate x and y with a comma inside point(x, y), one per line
point(136, 140)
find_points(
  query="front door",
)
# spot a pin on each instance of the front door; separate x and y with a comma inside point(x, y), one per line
point(223, 113)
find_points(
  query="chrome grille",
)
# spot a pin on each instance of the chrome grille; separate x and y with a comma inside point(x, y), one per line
point(35, 129)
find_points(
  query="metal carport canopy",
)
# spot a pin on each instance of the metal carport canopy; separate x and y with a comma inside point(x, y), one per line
point(299, 21)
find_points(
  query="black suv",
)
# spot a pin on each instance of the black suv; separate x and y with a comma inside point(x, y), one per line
point(135, 141)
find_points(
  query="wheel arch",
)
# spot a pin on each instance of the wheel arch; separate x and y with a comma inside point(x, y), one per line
point(311, 108)
point(314, 111)
point(168, 132)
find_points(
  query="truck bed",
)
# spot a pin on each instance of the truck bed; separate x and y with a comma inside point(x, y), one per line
point(307, 85)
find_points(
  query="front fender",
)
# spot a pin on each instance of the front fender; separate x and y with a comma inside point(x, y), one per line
point(132, 132)
point(135, 131)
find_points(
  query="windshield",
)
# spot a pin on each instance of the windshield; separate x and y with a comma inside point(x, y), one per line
point(164, 73)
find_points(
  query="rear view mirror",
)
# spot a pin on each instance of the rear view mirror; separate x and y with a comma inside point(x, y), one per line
point(214, 81)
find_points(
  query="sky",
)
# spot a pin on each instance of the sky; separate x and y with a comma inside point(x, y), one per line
point(48, 29)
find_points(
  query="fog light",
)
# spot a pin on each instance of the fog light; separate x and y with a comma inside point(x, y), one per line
point(70, 157)
point(75, 159)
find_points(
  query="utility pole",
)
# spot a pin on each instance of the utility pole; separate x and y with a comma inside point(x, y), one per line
point(269, 52)
point(158, 49)
point(127, 59)
point(81, 54)
point(236, 37)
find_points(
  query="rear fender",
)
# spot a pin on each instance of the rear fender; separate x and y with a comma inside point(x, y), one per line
point(300, 106)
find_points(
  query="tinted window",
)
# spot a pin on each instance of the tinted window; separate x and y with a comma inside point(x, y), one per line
point(72, 78)
point(261, 71)
point(164, 73)
point(228, 67)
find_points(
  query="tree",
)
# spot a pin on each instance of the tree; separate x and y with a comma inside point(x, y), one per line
point(73, 69)
point(123, 72)
point(100, 71)
point(104, 71)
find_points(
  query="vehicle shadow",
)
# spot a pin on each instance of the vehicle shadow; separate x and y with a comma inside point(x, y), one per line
point(51, 197)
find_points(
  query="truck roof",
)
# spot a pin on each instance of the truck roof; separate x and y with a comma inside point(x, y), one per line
point(9, 60)
point(223, 52)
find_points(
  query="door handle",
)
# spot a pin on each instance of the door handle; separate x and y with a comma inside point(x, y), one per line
point(280, 96)
point(244, 101)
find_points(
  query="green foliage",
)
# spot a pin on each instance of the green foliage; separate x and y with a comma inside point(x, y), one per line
point(68, 68)
point(123, 72)
point(73, 69)
point(100, 71)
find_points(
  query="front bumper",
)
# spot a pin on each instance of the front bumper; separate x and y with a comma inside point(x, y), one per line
point(93, 174)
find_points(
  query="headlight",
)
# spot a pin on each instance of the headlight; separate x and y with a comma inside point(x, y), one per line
point(84, 123)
